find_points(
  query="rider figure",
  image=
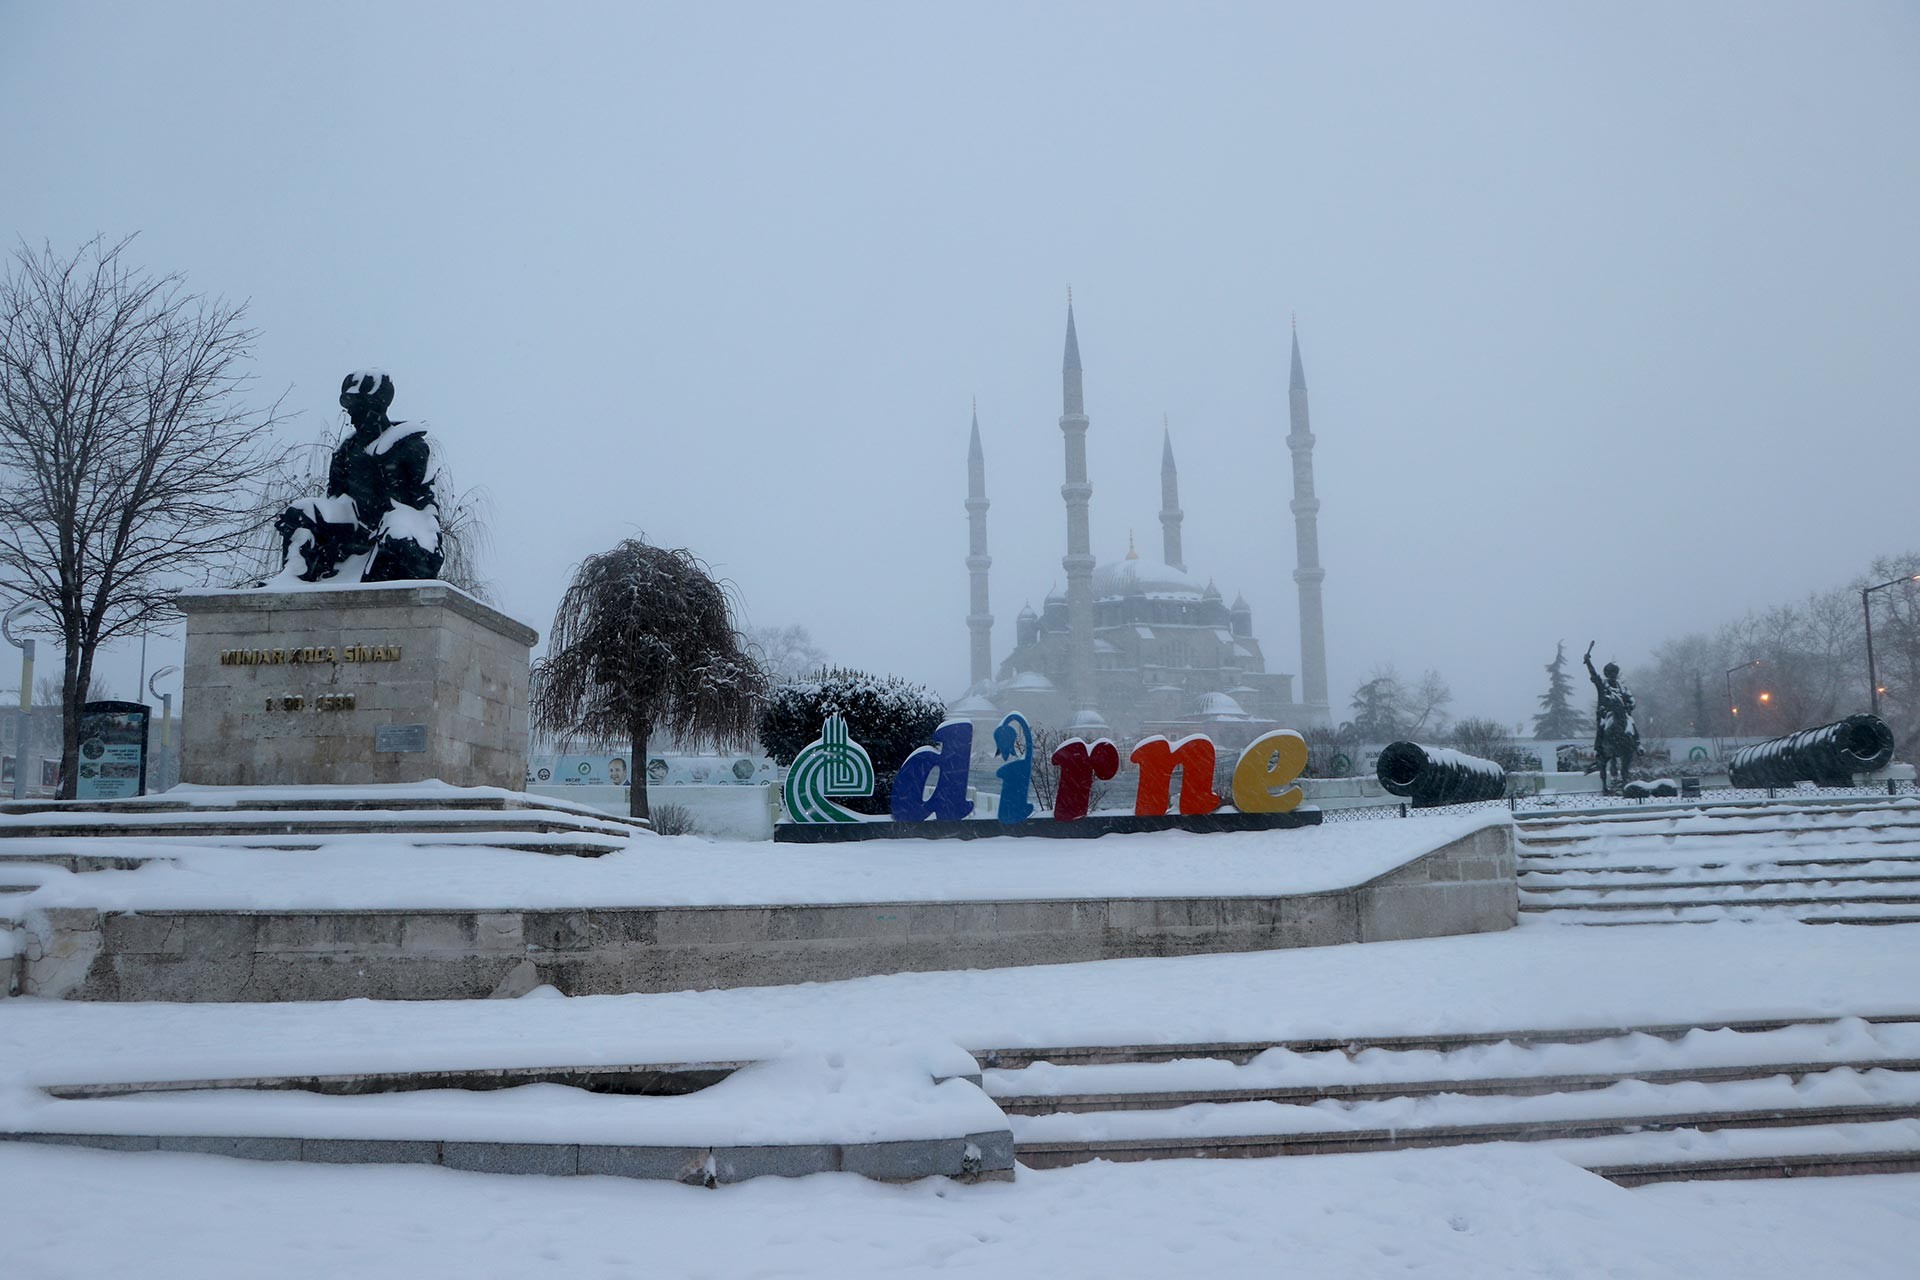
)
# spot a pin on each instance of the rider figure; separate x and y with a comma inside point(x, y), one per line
point(1615, 736)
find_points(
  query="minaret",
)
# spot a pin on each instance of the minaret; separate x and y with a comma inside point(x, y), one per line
point(979, 621)
point(1306, 536)
point(1170, 514)
point(1078, 561)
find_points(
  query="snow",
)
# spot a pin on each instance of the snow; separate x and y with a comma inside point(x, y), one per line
point(1839, 1087)
point(340, 584)
point(394, 434)
point(205, 797)
point(868, 1092)
point(1676, 1146)
point(387, 872)
point(1537, 978)
point(418, 524)
point(1487, 1212)
point(1847, 1040)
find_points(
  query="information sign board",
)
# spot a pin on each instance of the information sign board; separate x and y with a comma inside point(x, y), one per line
point(113, 751)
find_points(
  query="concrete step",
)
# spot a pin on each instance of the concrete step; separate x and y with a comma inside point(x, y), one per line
point(981, 1157)
point(1535, 840)
point(1674, 901)
point(1801, 1151)
point(1899, 863)
point(1504, 1086)
point(1719, 810)
point(1242, 1051)
point(1833, 1164)
point(641, 1079)
point(1688, 913)
point(400, 824)
point(1529, 885)
point(235, 799)
point(1055, 1155)
point(53, 854)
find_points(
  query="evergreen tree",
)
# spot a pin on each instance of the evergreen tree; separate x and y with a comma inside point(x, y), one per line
point(1380, 707)
point(1558, 717)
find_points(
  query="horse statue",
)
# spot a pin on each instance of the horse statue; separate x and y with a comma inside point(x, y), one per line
point(1616, 739)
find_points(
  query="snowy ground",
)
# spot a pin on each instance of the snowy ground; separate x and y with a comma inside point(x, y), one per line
point(364, 873)
point(1531, 977)
point(1482, 1212)
point(1501, 1210)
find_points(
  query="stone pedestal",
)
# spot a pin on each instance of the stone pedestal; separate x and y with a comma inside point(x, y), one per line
point(388, 682)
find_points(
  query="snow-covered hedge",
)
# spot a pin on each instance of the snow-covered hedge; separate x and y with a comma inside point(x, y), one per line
point(887, 715)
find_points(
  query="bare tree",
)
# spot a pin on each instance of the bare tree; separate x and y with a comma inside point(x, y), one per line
point(1044, 779)
point(1427, 704)
point(47, 691)
point(787, 654)
point(644, 640)
point(130, 465)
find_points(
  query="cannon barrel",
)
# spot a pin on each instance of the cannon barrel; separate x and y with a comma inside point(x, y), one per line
point(1829, 755)
point(1431, 776)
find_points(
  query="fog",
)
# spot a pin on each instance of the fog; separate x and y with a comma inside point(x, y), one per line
point(1608, 316)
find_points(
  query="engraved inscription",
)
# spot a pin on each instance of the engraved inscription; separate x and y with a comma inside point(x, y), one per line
point(333, 654)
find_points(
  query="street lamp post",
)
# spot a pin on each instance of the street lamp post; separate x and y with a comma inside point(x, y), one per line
point(21, 737)
point(166, 718)
point(1866, 608)
point(1732, 706)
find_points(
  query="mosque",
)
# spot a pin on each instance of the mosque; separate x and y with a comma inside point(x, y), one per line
point(1140, 646)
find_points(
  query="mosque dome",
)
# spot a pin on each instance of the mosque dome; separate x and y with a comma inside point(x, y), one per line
point(973, 705)
point(1134, 577)
point(1030, 682)
point(1088, 721)
point(1219, 706)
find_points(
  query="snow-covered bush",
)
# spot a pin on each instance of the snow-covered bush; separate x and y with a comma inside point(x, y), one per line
point(887, 715)
point(671, 819)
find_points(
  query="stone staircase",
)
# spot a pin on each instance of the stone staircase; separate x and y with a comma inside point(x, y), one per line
point(123, 834)
point(627, 1119)
point(1633, 1104)
point(1828, 863)
point(43, 839)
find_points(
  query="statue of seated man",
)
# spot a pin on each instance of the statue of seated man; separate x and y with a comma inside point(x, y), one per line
point(379, 520)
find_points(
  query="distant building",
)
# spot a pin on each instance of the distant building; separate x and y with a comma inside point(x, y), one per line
point(1137, 646)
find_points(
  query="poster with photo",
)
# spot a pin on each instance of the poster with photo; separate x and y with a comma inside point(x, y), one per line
point(113, 751)
point(661, 771)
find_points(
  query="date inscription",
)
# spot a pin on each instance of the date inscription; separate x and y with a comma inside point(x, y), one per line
point(319, 702)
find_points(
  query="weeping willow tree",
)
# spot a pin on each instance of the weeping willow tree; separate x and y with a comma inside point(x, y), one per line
point(644, 642)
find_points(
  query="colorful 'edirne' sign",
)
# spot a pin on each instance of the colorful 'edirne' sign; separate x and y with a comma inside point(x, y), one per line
point(833, 765)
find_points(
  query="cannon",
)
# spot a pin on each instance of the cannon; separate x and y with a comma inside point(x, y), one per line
point(1432, 776)
point(1828, 756)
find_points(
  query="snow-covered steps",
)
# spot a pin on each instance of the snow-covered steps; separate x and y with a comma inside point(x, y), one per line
point(1504, 1067)
point(1535, 1087)
point(307, 818)
point(1674, 1155)
point(1241, 1052)
point(1832, 863)
point(885, 1113)
point(632, 1079)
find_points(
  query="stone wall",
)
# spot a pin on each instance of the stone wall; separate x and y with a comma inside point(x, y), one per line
point(1465, 886)
point(355, 660)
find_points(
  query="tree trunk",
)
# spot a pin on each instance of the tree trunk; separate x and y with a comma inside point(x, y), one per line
point(77, 668)
point(637, 776)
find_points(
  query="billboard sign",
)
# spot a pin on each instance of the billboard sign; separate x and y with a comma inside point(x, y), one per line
point(113, 751)
point(662, 770)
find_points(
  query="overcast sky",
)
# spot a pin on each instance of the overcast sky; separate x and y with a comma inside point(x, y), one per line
point(1610, 312)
